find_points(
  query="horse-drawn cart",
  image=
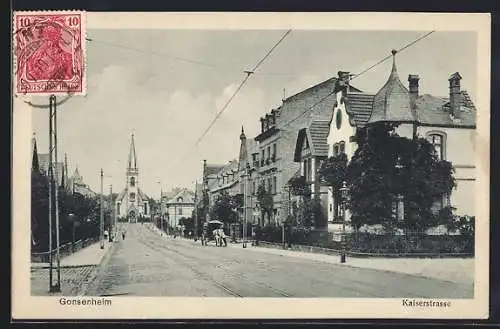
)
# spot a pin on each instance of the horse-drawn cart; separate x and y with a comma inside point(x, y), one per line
point(212, 232)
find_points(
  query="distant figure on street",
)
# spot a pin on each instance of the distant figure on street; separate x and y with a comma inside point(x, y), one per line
point(123, 235)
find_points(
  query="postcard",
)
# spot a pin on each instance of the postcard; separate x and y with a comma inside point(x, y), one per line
point(250, 165)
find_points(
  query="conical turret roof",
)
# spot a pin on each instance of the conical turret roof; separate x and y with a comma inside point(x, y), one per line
point(392, 102)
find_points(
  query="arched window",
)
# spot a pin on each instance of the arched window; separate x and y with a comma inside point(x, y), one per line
point(438, 139)
point(341, 147)
point(180, 200)
point(132, 181)
point(335, 149)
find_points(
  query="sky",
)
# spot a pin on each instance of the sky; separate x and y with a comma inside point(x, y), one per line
point(166, 86)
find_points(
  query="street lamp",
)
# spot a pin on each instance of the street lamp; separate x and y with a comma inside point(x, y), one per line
point(400, 204)
point(344, 190)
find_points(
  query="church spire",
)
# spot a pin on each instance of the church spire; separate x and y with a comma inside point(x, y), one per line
point(34, 162)
point(132, 157)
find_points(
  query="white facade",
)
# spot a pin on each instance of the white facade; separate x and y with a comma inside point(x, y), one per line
point(338, 134)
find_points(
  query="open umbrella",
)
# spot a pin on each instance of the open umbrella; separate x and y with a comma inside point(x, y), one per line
point(215, 222)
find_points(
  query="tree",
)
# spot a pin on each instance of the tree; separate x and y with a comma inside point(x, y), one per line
point(375, 181)
point(265, 200)
point(224, 208)
point(299, 186)
point(333, 172)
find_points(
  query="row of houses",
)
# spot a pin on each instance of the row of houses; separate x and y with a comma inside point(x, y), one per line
point(322, 121)
point(72, 183)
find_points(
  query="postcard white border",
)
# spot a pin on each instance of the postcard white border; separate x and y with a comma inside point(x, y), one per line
point(25, 306)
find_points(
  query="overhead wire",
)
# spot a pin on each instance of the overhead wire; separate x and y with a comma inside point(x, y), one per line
point(185, 59)
point(356, 76)
point(226, 105)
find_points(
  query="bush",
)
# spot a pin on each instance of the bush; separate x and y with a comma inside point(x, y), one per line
point(410, 243)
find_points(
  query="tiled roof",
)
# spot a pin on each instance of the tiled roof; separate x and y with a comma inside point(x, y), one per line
point(317, 135)
point(331, 81)
point(392, 101)
point(212, 169)
point(187, 197)
point(432, 110)
point(359, 107)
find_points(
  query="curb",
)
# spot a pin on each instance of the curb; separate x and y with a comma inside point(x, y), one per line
point(420, 275)
point(91, 280)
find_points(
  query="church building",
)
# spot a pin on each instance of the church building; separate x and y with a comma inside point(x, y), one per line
point(132, 204)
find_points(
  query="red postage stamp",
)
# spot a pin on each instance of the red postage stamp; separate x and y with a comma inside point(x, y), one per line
point(49, 53)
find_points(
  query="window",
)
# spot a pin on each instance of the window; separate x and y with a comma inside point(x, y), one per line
point(263, 157)
point(180, 200)
point(132, 196)
point(132, 181)
point(118, 208)
point(274, 184)
point(337, 208)
point(274, 152)
point(269, 153)
point(309, 170)
point(145, 208)
point(180, 211)
point(253, 187)
point(342, 147)
point(335, 149)
point(437, 140)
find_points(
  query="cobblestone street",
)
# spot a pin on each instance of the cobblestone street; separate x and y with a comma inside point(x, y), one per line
point(72, 279)
point(147, 264)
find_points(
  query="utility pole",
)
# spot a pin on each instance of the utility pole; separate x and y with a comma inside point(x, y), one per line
point(101, 231)
point(245, 205)
point(112, 219)
point(53, 185)
point(160, 209)
point(196, 210)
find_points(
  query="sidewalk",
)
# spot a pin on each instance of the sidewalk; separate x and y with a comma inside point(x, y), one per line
point(459, 270)
point(90, 255)
point(76, 270)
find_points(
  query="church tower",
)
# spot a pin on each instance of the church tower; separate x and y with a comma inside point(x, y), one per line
point(132, 178)
point(132, 203)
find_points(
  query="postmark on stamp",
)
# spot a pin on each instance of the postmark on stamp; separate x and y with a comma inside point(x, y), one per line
point(49, 53)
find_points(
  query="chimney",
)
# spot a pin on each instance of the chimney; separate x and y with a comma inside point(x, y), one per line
point(455, 94)
point(413, 88)
point(342, 83)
